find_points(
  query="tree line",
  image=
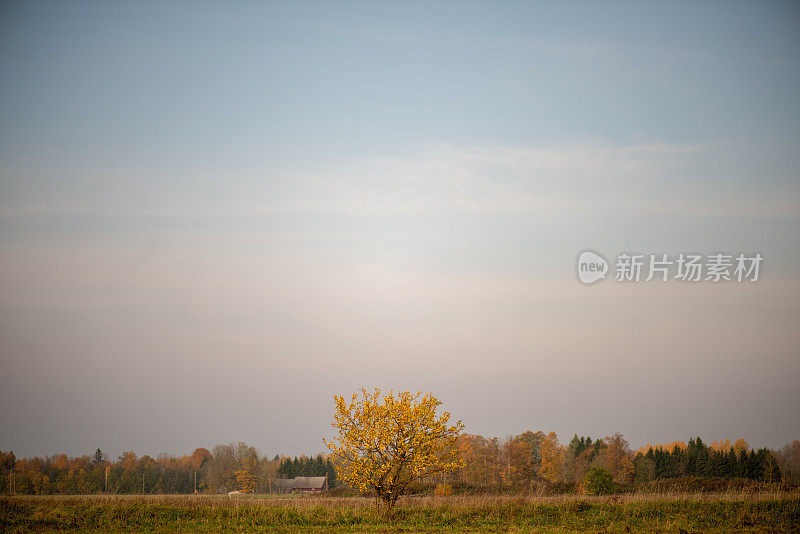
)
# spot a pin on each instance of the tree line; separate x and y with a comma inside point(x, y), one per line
point(304, 466)
point(697, 459)
point(535, 457)
point(236, 466)
point(515, 463)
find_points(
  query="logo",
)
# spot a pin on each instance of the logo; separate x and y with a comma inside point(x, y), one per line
point(591, 267)
point(685, 267)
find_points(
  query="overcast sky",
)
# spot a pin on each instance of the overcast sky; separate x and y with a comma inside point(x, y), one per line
point(215, 216)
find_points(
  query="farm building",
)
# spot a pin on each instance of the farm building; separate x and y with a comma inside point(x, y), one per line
point(301, 484)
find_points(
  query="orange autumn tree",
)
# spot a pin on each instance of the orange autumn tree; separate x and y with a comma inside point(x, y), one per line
point(552, 454)
point(385, 443)
point(246, 476)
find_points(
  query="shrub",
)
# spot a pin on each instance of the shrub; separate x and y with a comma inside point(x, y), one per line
point(599, 481)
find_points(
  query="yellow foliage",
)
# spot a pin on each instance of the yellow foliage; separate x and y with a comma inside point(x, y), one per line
point(666, 447)
point(723, 445)
point(246, 476)
point(552, 454)
point(386, 442)
point(443, 490)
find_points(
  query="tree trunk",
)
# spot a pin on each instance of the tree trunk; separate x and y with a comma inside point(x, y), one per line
point(388, 501)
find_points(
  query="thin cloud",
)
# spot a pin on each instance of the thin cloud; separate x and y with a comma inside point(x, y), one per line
point(587, 177)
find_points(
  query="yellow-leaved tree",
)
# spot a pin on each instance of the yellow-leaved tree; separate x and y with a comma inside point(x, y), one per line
point(385, 443)
point(246, 476)
point(552, 454)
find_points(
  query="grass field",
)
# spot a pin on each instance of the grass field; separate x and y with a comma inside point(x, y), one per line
point(743, 512)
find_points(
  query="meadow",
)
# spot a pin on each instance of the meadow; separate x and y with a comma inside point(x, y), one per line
point(672, 512)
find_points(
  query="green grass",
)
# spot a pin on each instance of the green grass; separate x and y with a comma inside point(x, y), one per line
point(775, 512)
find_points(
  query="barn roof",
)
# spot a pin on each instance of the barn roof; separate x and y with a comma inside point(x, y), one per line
point(301, 483)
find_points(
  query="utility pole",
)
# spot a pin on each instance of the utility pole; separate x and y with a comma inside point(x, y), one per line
point(269, 482)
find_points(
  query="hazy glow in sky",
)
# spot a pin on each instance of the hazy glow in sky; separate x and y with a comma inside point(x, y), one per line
point(214, 217)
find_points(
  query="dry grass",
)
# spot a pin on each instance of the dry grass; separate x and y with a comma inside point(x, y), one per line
point(690, 512)
point(426, 501)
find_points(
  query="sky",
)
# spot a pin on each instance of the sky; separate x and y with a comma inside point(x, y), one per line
point(216, 216)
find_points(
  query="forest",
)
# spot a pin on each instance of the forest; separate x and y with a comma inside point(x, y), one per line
point(520, 463)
